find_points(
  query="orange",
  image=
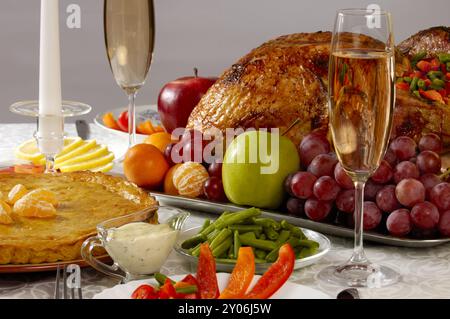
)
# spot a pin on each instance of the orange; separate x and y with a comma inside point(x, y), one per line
point(159, 139)
point(169, 187)
point(145, 165)
point(189, 179)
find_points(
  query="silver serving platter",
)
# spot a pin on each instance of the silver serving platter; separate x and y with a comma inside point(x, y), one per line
point(206, 206)
point(324, 248)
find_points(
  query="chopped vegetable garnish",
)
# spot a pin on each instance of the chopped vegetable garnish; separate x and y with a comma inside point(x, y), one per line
point(429, 79)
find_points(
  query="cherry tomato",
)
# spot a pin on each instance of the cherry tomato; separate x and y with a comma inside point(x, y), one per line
point(122, 121)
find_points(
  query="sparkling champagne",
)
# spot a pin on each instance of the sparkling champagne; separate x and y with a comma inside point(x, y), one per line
point(129, 37)
point(362, 99)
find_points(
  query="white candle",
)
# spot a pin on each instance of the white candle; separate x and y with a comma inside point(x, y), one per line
point(50, 108)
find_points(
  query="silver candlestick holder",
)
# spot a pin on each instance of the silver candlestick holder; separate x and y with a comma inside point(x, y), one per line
point(50, 128)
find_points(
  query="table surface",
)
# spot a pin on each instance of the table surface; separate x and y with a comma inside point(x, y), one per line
point(425, 272)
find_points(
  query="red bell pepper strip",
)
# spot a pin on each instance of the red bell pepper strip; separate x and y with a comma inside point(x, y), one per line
point(242, 275)
point(402, 86)
point(167, 291)
point(206, 274)
point(275, 276)
point(431, 95)
point(435, 64)
point(144, 292)
point(424, 66)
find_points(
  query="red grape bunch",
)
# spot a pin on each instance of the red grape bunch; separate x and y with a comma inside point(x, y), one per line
point(404, 196)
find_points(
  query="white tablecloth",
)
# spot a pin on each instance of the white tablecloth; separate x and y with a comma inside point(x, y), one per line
point(425, 271)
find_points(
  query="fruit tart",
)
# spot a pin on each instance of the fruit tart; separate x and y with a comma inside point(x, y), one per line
point(46, 217)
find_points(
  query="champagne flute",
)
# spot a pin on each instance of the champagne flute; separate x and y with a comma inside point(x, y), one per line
point(129, 27)
point(361, 101)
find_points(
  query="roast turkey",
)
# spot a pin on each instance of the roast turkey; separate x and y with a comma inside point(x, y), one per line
point(286, 79)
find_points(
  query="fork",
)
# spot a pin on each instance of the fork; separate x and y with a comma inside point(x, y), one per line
point(71, 283)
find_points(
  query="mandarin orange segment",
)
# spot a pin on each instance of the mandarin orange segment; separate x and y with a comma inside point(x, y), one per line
point(110, 121)
point(34, 208)
point(43, 194)
point(16, 193)
point(146, 128)
point(4, 207)
point(5, 218)
point(189, 179)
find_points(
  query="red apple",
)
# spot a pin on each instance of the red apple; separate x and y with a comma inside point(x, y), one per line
point(178, 98)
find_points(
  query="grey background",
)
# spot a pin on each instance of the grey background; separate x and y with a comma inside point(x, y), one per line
point(208, 34)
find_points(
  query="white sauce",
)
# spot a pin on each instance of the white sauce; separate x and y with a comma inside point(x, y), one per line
point(140, 248)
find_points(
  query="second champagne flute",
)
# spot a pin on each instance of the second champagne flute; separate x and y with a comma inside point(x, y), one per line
point(129, 27)
point(361, 101)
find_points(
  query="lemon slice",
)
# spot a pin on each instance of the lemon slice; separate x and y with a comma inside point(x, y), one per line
point(98, 151)
point(29, 150)
point(84, 147)
point(88, 165)
point(104, 168)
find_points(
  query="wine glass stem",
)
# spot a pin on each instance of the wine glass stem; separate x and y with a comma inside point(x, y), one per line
point(131, 119)
point(359, 256)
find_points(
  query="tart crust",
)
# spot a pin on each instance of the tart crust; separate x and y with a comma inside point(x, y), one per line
point(86, 199)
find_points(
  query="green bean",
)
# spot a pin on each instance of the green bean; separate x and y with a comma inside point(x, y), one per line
point(222, 248)
point(191, 289)
point(236, 217)
point(295, 242)
point(206, 223)
point(245, 228)
point(237, 244)
point(262, 236)
point(295, 231)
point(435, 74)
point(417, 57)
point(421, 84)
point(413, 84)
point(193, 241)
point(271, 233)
point(231, 251)
point(306, 252)
point(261, 254)
point(161, 279)
point(438, 83)
point(220, 238)
point(196, 251)
point(257, 243)
point(212, 235)
point(444, 57)
point(211, 226)
point(284, 237)
point(267, 222)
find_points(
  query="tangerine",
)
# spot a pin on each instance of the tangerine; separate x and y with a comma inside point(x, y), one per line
point(145, 165)
point(169, 187)
point(159, 139)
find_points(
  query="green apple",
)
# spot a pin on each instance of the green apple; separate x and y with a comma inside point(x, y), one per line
point(255, 166)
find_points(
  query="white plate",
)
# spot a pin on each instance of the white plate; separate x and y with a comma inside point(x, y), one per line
point(324, 248)
point(143, 113)
point(289, 290)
